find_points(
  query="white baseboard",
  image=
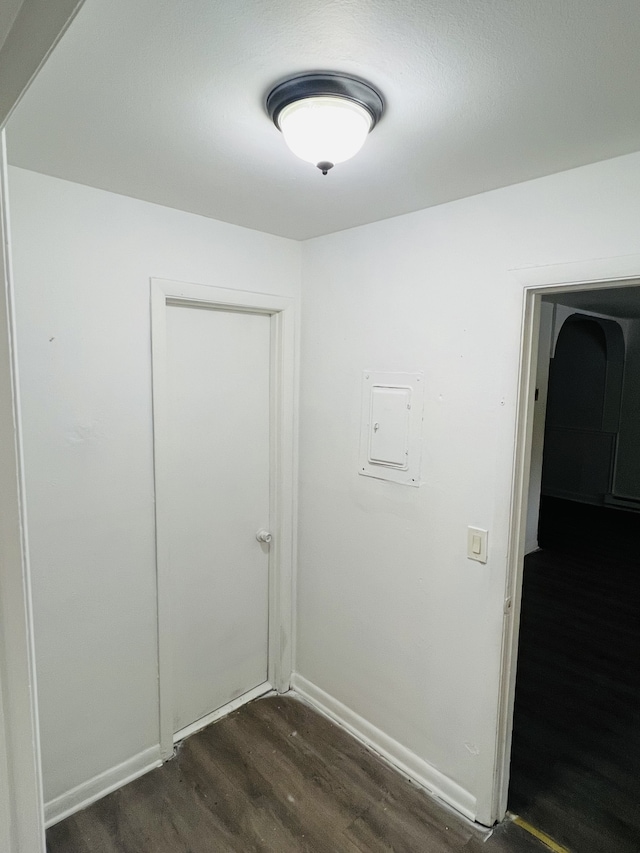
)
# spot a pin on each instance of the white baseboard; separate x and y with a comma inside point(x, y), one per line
point(104, 783)
point(408, 763)
point(402, 759)
point(214, 716)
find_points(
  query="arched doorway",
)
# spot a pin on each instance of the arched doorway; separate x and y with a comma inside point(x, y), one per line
point(583, 410)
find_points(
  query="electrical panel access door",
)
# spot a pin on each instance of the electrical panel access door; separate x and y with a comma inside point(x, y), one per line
point(390, 435)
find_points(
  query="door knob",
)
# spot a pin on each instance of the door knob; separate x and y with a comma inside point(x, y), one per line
point(263, 536)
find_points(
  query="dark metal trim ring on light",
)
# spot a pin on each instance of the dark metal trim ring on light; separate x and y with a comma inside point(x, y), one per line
point(328, 84)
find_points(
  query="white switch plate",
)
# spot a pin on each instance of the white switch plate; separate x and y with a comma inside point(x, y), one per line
point(477, 544)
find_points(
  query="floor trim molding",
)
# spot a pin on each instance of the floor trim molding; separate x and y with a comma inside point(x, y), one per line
point(214, 716)
point(402, 759)
point(104, 783)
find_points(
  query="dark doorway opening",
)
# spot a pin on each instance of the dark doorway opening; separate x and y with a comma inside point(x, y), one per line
point(575, 764)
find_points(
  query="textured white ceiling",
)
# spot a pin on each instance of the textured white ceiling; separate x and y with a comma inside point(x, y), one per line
point(163, 100)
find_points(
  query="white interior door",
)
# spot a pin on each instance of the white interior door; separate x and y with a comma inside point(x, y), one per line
point(217, 409)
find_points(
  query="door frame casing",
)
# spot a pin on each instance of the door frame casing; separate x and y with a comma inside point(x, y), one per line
point(21, 792)
point(282, 479)
point(596, 274)
point(35, 31)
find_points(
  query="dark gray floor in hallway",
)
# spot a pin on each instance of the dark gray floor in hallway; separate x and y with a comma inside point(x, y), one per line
point(575, 770)
point(276, 776)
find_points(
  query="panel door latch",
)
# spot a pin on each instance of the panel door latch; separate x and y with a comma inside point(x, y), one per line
point(264, 536)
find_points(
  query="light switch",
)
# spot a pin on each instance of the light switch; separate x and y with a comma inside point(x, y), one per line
point(477, 544)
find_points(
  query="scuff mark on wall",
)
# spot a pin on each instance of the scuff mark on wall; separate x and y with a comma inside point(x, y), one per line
point(83, 433)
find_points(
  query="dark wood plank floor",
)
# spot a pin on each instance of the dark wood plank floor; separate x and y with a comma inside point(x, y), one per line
point(276, 776)
point(575, 769)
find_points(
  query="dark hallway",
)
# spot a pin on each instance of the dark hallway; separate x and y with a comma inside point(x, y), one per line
point(576, 741)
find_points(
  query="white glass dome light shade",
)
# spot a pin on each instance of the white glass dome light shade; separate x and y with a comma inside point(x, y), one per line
point(325, 130)
point(324, 116)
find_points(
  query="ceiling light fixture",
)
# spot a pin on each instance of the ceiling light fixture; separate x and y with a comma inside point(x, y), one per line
point(324, 118)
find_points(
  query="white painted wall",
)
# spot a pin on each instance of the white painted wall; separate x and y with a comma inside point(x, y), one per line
point(394, 621)
point(21, 799)
point(29, 29)
point(83, 259)
point(5, 792)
